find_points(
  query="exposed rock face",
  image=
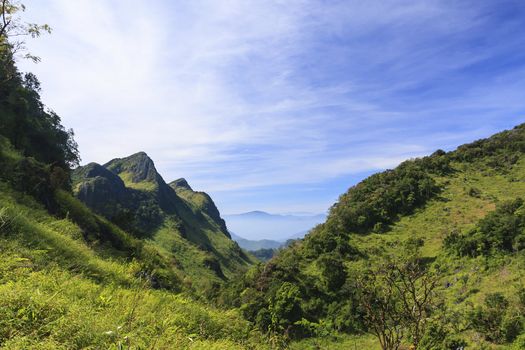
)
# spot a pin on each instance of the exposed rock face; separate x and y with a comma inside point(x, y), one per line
point(93, 170)
point(201, 200)
point(138, 209)
point(139, 172)
point(211, 209)
point(132, 187)
point(130, 192)
point(139, 165)
point(180, 183)
point(98, 187)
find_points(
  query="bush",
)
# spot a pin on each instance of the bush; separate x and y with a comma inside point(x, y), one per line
point(489, 319)
point(25, 122)
point(511, 327)
point(500, 231)
point(474, 192)
point(454, 343)
point(377, 201)
point(285, 309)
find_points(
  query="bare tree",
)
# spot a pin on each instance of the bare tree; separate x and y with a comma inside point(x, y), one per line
point(398, 298)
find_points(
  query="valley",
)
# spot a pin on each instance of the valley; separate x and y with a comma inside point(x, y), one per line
point(418, 249)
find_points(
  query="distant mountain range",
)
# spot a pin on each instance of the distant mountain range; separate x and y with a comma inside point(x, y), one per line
point(260, 226)
point(258, 214)
point(256, 245)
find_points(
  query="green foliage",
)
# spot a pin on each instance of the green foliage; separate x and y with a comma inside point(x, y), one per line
point(495, 320)
point(474, 192)
point(13, 30)
point(31, 128)
point(333, 271)
point(25, 122)
point(285, 309)
point(411, 207)
point(263, 254)
point(145, 185)
point(317, 265)
point(58, 292)
point(438, 337)
point(184, 227)
point(377, 201)
point(500, 151)
point(500, 231)
point(519, 343)
point(454, 343)
point(81, 280)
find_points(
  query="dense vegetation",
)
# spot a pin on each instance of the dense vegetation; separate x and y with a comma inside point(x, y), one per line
point(502, 231)
point(26, 123)
point(371, 206)
point(263, 254)
point(315, 287)
point(60, 291)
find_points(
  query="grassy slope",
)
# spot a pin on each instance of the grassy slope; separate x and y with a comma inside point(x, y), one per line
point(200, 242)
point(471, 279)
point(227, 250)
point(60, 293)
point(204, 242)
point(141, 185)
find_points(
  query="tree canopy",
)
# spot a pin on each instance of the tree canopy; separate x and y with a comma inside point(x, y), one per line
point(30, 127)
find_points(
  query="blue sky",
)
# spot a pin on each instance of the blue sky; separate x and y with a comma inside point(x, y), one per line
point(279, 105)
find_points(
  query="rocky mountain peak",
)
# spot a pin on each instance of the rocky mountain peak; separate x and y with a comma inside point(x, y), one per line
point(180, 183)
point(139, 166)
point(94, 170)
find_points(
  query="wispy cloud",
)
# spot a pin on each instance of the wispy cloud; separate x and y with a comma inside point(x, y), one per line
point(241, 95)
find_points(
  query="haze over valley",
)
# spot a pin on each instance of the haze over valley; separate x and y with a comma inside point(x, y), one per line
point(257, 225)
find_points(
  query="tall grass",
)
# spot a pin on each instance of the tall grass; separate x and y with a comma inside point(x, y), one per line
point(58, 292)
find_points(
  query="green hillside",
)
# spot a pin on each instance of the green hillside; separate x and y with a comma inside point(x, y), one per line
point(70, 279)
point(74, 279)
point(429, 255)
point(312, 289)
point(184, 226)
point(125, 271)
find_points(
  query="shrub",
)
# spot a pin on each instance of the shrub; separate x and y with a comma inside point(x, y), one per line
point(489, 319)
point(500, 231)
point(474, 192)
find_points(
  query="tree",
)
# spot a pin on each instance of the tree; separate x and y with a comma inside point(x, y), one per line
point(397, 298)
point(333, 271)
point(13, 30)
point(30, 128)
point(285, 307)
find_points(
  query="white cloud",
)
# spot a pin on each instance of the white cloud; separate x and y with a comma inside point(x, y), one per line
point(238, 94)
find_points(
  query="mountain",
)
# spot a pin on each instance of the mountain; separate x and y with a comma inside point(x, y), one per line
point(255, 245)
point(72, 279)
point(112, 259)
point(182, 224)
point(257, 225)
point(428, 255)
point(201, 201)
point(252, 245)
point(457, 217)
point(72, 276)
point(258, 214)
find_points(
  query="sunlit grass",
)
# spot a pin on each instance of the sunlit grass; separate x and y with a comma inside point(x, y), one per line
point(57, 292)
